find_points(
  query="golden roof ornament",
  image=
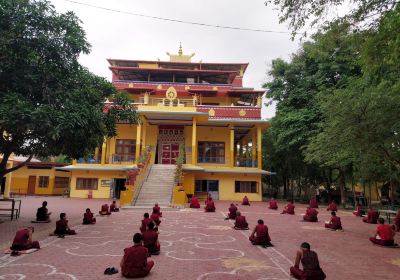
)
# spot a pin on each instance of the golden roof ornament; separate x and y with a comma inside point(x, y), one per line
point(180, 57)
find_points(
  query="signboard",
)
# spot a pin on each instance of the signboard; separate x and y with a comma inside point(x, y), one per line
point(106, 183)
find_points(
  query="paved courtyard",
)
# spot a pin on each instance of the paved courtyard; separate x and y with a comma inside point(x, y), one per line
point(195, 245)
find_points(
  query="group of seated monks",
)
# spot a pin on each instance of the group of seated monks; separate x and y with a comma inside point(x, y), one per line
point(107, 210)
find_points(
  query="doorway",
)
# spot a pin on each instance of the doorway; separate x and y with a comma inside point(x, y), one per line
point(169, 153)
point(208, 187)
point(31, 185)
point(119, 185)
point(169, 139)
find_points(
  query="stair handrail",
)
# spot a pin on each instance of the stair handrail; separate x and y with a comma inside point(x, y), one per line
point(172, 191)
point(140, 181)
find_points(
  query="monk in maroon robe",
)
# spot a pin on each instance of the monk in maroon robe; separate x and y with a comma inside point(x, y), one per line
point(113, 207)
point(289, 209)
point(311, 215)
point(260, 235)
point(23, 240)
point(359, 212)
point(43, 214)
point(245, 201)
point(150, 240)
point(88, 217)
point(332, 206)
point(157, 209)
point(209, 198)
point(104, 210)
point(155, 218)
point(384, 234)
point(397, 221)
point(334, 223)
point(313, 203)
point(240, 222)
point(372, 216)
point(134, 263)
point(62, 227)
point(232, 212)
point(309, 260)
point(273, 204)
point(194, 202)
point(146, 220)
point(210, 206)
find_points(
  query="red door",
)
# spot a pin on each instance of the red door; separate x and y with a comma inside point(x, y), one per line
point(169, 153)
point(31, 184)
point(174, 153)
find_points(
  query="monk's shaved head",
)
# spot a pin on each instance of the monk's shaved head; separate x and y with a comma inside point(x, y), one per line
point(260, 222)
point(137, 238)
point(305, 245)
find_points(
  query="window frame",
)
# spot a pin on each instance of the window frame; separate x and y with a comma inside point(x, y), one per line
point(83, 183)
point(64, 182)
point(43, 182)
point(202, 147)
point(246, 186)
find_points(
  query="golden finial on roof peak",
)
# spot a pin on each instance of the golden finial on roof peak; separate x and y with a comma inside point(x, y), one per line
point(180, 52)
point(180, 57)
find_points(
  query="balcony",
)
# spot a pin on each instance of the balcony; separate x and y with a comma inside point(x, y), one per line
point(122, 159)
point(231, 112)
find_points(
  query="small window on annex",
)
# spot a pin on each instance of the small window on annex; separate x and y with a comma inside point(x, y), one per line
point(246, 187)
point(43, 181)
point(61, 182)
point(86, 183)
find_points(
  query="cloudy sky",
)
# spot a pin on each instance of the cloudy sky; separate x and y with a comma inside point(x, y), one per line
point(119, 35)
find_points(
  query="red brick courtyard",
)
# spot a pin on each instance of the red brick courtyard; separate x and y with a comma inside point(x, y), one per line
point(194, 245)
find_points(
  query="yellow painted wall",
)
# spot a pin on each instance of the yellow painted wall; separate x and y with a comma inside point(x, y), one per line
point(226, 184)
point(221, 101)
point(373, 193)
point(101, 192)
point(151, 139)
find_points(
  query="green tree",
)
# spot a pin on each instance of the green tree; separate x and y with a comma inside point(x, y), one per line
point(49, 103)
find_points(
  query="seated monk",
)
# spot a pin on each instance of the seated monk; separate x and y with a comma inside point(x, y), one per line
point(210, 206)
point(240, 222)
point(334, 223)
point(260, 235)
point(313, 202)
point(359, 211)
point(113, 207)
point(273, 204)
point(157, 209)
point(372, 216)
point(209, 198)
point(155, 218)
point(88, 217)
point(42, 214)
point(232, 212)
point(194, 202)
point(134, 263)
point(245, 201)
point(289, 209)
point(309, 260)
point(150, 239)
point(311, 215)
point(146, 220)
point(384, 234)
point(332, 206)
point(104, 210)
point(23, 240)
point(62, 227)
point(397, 221)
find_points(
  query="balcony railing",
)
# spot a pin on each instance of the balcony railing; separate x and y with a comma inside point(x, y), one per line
point(231, 112)
point(179, 102)
point(90, 160)
point(220, 160)
point(121, 158)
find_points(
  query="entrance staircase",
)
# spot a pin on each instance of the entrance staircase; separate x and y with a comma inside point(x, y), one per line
point(157, 187)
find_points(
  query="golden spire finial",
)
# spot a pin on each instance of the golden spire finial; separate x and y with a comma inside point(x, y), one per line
point(180, 52)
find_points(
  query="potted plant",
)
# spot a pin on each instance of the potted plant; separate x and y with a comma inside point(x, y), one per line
point(179, 165)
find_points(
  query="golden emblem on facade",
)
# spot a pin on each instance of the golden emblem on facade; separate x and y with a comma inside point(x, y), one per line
point(215, 88)
point(130, 85)
point(242, 113)
point(211, 113)
point(187, 87)
point(159, 87)
point(171, 93)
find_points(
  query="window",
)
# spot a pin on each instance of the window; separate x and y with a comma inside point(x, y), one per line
point(43, 181)
point(211, 152)
point(246, 187)
point(61, 182)
point(124, 150)
point(86, 183)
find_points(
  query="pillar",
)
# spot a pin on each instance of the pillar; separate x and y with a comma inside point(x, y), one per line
point(74, 162)
point(253, 148)
point(103, 152)
point(194, 142)
point(138, 134)
point(7, 188)
point(232, 147)
point(259, 147)
point(144, 137)
point(96, 154)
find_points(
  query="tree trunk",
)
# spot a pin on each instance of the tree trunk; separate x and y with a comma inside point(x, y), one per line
point(342, 182)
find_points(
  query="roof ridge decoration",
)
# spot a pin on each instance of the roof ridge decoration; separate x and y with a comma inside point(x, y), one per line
point(180, 57)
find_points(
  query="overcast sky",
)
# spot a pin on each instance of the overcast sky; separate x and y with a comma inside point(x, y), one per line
point(117, 35)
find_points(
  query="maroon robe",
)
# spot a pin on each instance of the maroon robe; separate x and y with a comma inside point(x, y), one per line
point(372, 217)
point(311, 269)
point(311, 215)
point(145, 222)
point(289, 209)
point(62, 228)
point(209, 198)
point(332, 207)
point(88, 218)
point(245, 201)
point(114, 208)
point(104, 210)
point(155, 218)
point(150, 241)
point(21, 241)
point(397, 222)
point(386, 235)
point(232, 212)
point(313, 203)
point(194, 202)
point(335, 223)
point(135, 264)
point(240, 223)
point(261, 236)
point(157, 210)
point(210, 207)
point(358, 211)
point(273, 205)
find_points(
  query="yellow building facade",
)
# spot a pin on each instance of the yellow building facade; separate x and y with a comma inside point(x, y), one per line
point(201, 106)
